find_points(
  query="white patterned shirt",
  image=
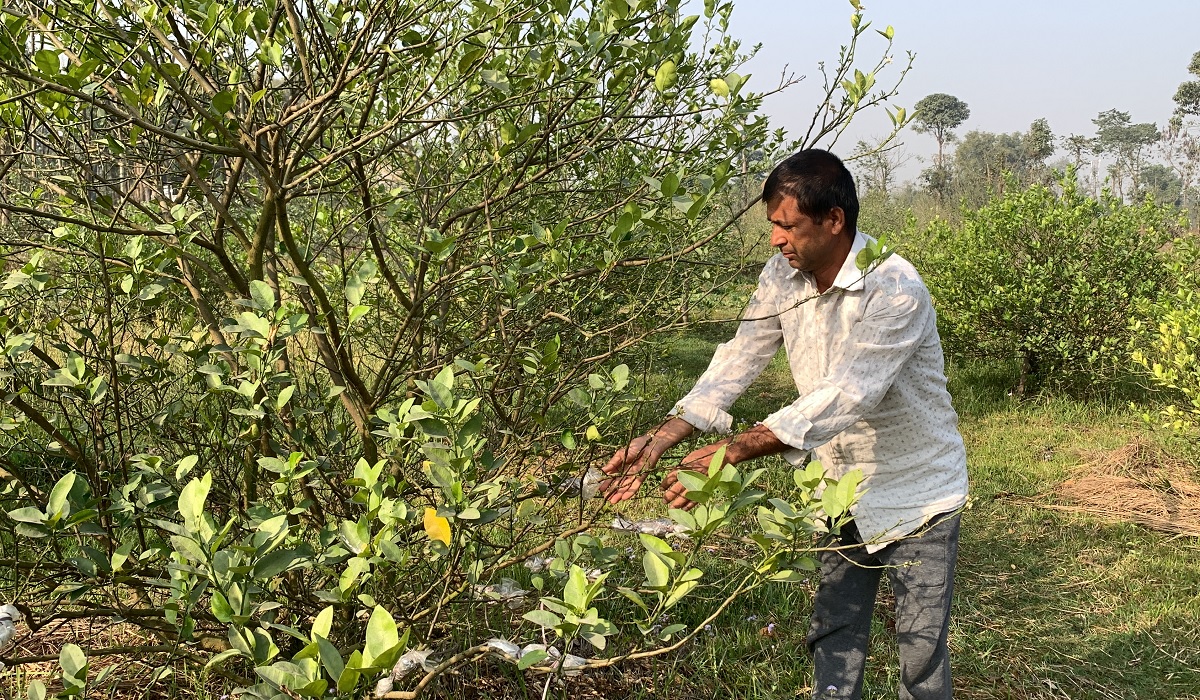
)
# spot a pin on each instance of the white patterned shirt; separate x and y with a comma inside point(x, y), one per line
point(868, 366)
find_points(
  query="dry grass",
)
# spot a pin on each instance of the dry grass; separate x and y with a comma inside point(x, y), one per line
point(131, 672)
point(1137, 483)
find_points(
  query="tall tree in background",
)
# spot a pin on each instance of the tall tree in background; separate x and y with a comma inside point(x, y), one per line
point(876, 165)
point(939, 115)
point(1187, 96)
point(1126, 142)
point(1161, 183)
point(982, 159)
point(1180, 146)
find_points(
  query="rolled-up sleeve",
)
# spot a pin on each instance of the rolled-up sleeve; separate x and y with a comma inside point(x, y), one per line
point(857, 378)
point(735, 364)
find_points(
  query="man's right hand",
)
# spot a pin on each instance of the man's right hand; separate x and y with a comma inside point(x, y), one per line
point(630, 466)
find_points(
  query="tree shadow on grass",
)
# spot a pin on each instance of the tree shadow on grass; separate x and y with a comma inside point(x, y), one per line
point(1054, 606)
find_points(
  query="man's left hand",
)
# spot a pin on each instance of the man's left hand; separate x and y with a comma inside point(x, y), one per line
point(755, 442)
point(696, 461)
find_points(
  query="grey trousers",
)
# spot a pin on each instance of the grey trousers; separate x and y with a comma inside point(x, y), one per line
point(921, 570)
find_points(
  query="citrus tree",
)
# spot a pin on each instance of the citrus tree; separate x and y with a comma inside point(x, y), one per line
point(1048, 277)
point(309, 310)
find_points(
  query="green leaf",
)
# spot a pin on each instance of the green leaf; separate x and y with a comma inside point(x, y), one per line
point(222, 102)
point(322, 623)
point(285, 395)
point(382, 635)
point(356, 283)
point(184, 466)
point(575, 592)
point(349, 676)
point(633, 596)
point(658, 574)
point(191, 502)
point(222, 657)
point(533, 658)
point(665, 76)
point(508, 132)
point(28, 514)
point(331, 658)
point(655, 544)
point(692, 481)
point(47, 61)
point(678, 593)
point(543, 618)
point(280, 561)
point(497, 80)
point(221, 608)
point(357, 312)
point(36, 691)
point(74, 662)
point(261, 295)
point(57, 506)
point(787, 576)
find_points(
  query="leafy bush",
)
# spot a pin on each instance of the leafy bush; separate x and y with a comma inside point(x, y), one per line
point(1169, 334)
point(1046, 276)
point(308, 311)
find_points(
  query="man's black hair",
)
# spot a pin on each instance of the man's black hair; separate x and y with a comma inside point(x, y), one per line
point(818, 181)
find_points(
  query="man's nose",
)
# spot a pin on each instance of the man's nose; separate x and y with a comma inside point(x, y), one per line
point(777, 237)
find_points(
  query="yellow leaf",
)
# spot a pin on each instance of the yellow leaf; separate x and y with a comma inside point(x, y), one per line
point(437, 527)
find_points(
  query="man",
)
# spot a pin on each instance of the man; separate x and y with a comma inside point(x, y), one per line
point(867, 361)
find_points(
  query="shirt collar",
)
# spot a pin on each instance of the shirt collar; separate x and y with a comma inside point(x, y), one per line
point(849, 277)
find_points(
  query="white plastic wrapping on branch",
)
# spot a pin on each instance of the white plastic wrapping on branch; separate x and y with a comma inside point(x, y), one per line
point(504, 649)
point(570, 664)
point(537, 565)
point(9, 617)
point(587, 485)
point(659, 527)
point(507, 592)
point(413, 660)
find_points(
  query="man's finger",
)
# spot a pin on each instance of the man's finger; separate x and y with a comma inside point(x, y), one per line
point(673, 492)
point(626, 488)
point(676, 499)
point(624, 455)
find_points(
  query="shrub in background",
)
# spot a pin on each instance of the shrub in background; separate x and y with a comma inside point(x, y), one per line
point(1049, 277)
point(1168, 331)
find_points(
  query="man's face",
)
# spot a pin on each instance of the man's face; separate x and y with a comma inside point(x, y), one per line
point(809, 246)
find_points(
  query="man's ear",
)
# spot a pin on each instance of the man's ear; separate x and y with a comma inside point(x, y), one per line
point(837, 220)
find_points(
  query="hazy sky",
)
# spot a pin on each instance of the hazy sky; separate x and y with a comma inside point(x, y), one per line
point(1010, 61)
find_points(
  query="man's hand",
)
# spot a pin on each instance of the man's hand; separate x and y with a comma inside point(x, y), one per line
point(756, 442)
point(696, 461)
point(630, 466)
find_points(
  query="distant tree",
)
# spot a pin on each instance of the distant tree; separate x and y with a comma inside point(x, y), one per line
point(938, 181)
point(1038, 143)
point(876, 167)
point(1179, 149)
point(1161, 183)
point(1187, 96)
point(939, 115)
point(982, 159)
point(1126, 142)
point(1077, 145)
